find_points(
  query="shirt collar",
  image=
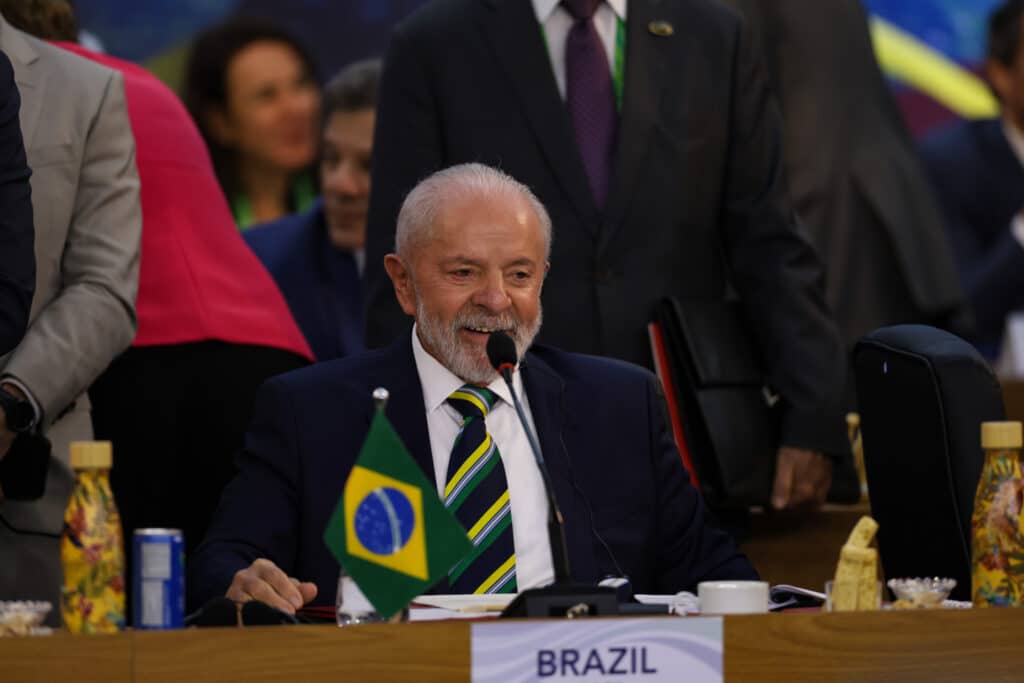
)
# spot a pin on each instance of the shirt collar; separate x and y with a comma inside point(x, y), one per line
point(438, 382)
point(1016, 139)
point(544, 8)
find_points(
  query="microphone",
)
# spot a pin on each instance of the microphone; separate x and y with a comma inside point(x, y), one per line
point(562, 598)
point(501, 352)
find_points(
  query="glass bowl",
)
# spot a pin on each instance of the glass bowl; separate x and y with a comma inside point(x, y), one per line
point(23, 618)
point(921, 592)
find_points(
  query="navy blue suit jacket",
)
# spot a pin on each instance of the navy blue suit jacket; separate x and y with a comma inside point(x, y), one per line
point(617, 475)
point(981, 185)
point(320, 283)
point(17, 234)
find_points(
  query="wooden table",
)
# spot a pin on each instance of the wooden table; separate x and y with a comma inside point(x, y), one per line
point(932, 646)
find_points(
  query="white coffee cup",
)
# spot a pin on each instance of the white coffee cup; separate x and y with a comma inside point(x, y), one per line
point(733, 597)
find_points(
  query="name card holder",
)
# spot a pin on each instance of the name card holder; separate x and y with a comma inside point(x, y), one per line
point(649, 650)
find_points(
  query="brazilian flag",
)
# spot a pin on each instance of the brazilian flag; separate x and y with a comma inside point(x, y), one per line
point(390, 529)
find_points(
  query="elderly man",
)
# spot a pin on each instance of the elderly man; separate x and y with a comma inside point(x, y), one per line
point(472, 254)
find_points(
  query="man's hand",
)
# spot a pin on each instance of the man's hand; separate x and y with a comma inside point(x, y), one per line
point(802, 479)
point(264, 581)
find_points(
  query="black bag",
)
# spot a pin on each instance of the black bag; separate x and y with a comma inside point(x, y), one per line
point(729, 417)
point(924, 395)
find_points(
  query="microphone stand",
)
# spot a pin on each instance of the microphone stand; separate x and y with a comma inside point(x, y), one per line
point(562, 598)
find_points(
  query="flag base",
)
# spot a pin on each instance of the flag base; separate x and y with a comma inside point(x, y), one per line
point(562, 601)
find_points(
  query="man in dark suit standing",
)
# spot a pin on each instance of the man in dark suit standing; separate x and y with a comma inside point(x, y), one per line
point(654, 141)
point(17, 247)
point(472, 256)
point(854, 175)
point(978, 170)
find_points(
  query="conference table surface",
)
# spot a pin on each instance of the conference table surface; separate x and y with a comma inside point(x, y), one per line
point(936, 646)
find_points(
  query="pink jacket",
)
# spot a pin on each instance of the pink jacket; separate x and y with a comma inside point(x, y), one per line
point(198, 280)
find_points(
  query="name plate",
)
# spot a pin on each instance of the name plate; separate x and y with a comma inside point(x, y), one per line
point(649, 650)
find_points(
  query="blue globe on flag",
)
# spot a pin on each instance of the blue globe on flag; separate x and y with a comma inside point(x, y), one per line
point(384, 521)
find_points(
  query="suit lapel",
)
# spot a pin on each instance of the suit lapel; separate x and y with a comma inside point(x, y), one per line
point(645, 80)
point(27, 74)
point(547, 395)
point(405, 406)
point(518, 42)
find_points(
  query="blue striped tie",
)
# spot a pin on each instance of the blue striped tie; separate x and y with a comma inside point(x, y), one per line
point(476, 491)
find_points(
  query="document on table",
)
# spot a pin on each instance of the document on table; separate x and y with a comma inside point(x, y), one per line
point(438, 607)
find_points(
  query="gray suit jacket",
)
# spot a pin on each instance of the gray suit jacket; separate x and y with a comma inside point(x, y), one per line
point(854, 175)
point(88, 223)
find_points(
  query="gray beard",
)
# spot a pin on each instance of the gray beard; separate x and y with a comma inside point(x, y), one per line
point(464, 362)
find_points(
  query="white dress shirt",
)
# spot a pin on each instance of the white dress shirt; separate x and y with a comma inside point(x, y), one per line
point(557, 22)
point(1016, 140)
point(525, 486)
point(360, 256)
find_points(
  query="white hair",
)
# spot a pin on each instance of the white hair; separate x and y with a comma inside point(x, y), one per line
point(423, 204)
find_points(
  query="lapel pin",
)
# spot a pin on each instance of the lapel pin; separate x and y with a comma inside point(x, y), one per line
point(662, 29)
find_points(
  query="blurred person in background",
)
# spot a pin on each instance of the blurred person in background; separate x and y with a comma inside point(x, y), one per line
point(252, 90)
point(212, 324)
point(317, 256)
point(978, 170)
point(17, 255)
point(854, 175)
point(88, 224)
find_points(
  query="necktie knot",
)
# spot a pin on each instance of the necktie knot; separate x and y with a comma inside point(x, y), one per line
point(472, 401)
point(581, 10)
point(476, 491)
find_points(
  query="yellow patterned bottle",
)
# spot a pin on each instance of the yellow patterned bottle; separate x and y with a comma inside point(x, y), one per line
point(997, 551)
point(91, 548)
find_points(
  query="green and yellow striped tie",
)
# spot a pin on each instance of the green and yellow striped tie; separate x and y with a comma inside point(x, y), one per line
point(476, 491)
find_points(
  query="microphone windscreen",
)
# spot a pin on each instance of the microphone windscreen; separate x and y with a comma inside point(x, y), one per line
point(501, 350)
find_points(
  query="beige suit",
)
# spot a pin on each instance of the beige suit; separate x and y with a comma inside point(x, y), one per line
point(88, 223)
